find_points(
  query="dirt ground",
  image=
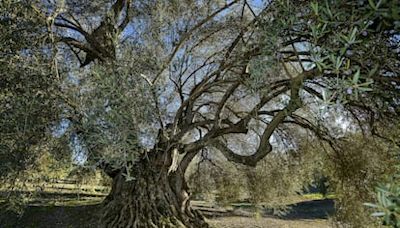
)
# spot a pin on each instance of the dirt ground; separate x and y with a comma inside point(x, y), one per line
point(307, 214)
point(247, 222)
point(311, 214)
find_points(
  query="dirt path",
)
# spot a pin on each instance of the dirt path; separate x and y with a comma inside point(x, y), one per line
point(246, 222)
point(307, 214)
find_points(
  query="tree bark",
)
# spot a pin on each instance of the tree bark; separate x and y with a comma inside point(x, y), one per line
point(156, 197)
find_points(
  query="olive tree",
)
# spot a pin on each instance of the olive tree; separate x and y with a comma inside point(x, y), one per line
point(28, 87)
point(147, 85)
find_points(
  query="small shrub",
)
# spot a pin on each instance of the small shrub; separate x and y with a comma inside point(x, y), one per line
point(388, 201)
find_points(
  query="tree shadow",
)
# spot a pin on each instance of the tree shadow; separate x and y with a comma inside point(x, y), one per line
point(51, 216)
point(314, 209)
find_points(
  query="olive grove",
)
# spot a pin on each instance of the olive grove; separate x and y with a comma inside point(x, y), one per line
point(143, 87)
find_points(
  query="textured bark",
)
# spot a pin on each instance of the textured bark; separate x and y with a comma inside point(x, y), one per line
point(156, 198)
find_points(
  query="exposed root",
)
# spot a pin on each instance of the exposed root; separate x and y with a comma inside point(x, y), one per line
point(153, 199)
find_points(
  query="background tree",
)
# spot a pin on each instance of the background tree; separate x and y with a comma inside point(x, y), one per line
point(28, 86)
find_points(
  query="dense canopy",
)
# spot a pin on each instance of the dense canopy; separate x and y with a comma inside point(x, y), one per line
point(139, 88)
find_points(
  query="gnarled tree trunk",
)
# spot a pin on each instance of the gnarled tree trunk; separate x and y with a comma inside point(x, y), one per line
point(156, 197)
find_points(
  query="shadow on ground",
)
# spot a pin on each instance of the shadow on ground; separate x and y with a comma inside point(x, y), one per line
point(314, 209)
point(87, 216)
point(52, 217)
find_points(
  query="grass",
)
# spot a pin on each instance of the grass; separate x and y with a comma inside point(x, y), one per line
point(317, 196)
point(58, 188)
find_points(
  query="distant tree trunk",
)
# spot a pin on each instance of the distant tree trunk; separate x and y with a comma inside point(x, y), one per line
point(155, 198)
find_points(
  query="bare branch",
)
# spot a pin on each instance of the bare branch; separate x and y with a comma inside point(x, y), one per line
point(187, 35)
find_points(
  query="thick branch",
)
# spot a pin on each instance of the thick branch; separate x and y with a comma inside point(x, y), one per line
point(234, 128)
point(264, 146)
point(249, 160)
point(294, 104)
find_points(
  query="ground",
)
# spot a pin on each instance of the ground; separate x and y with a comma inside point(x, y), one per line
point(245, 222)
point(303, 215)
point(310, 213)
point(69, 209)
